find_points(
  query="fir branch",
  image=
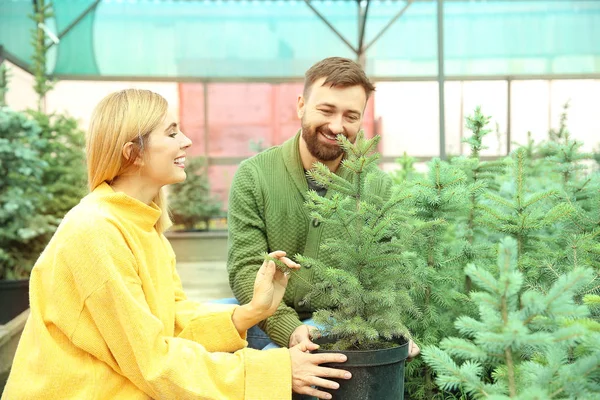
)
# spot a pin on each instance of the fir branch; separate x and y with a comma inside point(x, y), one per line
point(359, 147)
point(491, 212)
point(324, 177)
point(482, 278)
point(463, 349)
point(557, 213)
point(501, 200)
point(284, 268)
point(565, 285)
point(539, 197)
point(592, 300)
point(394, 201)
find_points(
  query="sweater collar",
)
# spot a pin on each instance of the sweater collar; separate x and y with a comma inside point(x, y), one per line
point(144, 215)
point(293, 163)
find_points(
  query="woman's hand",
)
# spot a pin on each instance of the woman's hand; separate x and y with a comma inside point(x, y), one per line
point(307, 372)
point(270, 284)
point(269, 288)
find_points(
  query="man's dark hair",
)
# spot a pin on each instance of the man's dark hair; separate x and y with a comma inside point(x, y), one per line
point(339, 72)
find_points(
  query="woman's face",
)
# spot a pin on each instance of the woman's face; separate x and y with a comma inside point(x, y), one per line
point(163, 160)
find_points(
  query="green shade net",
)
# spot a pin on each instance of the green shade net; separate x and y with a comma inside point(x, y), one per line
point(76, 54)
point(15, 28)
point(241, 39)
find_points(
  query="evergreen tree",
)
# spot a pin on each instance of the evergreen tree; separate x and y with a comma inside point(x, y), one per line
point(562, 134)
point(406, 171)
point(4, 79)
point(566, 160)
point(557, 166)
point(499, 137)
point(539, 345)
point(524, 216)
point(477, 124)
point(368, 286)
point(596, 156)
point(191, 201)
point(580, 187)
point(482, 176)
point(579, 237)
point(550, 164)
point(21, 193)
point(43, 85)
point(60, 144)
point(441, 198)
point(65, 177)
point(537, 170)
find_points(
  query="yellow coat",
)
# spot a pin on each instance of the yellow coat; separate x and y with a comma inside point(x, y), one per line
point(109, 319)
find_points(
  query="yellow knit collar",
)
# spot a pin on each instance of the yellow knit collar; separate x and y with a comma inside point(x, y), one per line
point(129, 208)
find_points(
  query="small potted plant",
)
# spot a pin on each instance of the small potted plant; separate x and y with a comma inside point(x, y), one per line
point(367, 285)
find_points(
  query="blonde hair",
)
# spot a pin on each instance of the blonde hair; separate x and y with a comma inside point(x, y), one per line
point(126, 116)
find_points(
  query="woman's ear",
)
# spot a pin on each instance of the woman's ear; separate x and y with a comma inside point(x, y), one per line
point(129, 151)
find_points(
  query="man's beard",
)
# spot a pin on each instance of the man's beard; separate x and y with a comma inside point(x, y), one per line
point(321, 151)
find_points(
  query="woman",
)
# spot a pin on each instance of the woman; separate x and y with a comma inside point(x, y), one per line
point(109, 319)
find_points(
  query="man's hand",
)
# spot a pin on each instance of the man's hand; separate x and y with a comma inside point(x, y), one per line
point(303, 333)
point(413, 350)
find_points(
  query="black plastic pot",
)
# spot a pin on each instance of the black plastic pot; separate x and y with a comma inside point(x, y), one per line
point(376, 374)
point(14, 299)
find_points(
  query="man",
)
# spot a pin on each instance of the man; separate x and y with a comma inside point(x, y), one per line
point(266, 203)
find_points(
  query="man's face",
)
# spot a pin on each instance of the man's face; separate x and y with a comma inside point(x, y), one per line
point(327, 112)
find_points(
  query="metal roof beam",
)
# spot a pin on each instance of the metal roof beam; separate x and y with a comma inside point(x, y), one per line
point(331, 26)
point(75, 22)
point(389, 24)
point(362, 24)
point(6, 56)
point(441, 77)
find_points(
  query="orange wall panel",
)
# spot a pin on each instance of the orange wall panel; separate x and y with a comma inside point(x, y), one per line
point(191, 115)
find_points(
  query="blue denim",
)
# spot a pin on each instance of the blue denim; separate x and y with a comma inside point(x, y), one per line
point(256, 337)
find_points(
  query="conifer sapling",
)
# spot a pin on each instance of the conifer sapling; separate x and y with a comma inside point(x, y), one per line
point(368, 287)
point(539, 345)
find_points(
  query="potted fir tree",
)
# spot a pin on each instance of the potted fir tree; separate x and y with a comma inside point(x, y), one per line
point(367, 288)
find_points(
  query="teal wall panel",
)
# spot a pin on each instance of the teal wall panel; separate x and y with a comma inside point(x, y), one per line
point(217, 39)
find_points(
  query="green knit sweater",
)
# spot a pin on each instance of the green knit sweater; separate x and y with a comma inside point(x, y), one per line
point(267, 213)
